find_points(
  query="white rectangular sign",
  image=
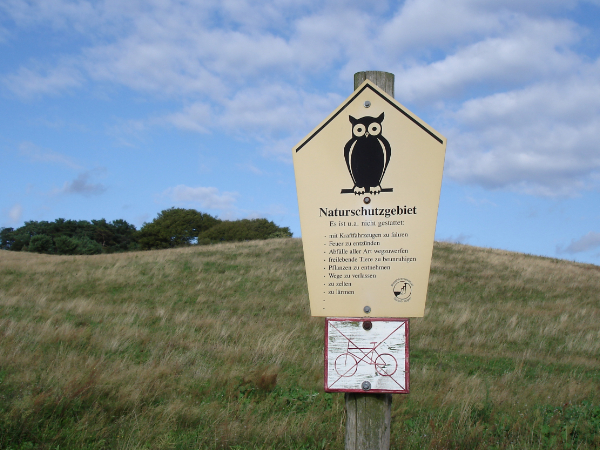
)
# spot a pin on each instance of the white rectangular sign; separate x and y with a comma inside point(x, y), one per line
point(366, 355)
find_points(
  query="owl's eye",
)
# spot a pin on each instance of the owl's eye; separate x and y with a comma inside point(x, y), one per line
point(359, 130)
point(374, 128)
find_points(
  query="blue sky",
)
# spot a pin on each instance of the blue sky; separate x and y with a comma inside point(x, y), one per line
point(118, 110)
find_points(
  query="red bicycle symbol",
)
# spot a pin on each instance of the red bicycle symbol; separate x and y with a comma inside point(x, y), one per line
point(347, 363)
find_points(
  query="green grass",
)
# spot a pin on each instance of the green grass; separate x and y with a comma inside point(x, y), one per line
point(213, 347)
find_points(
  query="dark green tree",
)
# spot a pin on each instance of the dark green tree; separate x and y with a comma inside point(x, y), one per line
point(41, 243)
point(77, 246)
point(175, 227)
point(6, 238)
point(23, 235)
point(73, 237)
point(243, 230)
point(123, 236)
point(103, 233)
point(87, 246)
point(66, 245)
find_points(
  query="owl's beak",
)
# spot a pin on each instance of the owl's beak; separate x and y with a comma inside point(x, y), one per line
point(367, 134)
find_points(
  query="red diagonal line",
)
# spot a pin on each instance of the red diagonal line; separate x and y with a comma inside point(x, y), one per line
point(355, 346)
point(387, 336)
point(392, 378)
point(349, 340)
point(401, 387)
point(364, 354)
point(357, 363)
point(344, 372)
point(342, 376)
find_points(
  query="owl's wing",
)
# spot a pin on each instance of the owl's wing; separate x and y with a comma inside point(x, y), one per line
point(347, 150)
point(388, 153)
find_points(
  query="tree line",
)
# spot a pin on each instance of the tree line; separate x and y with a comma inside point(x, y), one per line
point(174, 227)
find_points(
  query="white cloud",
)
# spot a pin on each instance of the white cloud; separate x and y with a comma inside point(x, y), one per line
point(58, 12)
point(277, 116)
point(167, 68)
point(27, 82)
point(15, 213)
point(275, 110)
point(571, 100)
point(325, 39)
point(534, 49)
point(541, 140)
point(38, 154)
point(195, 117)
point(205, 197)
point(421, 24)
point(519, 104)
point(178, 49)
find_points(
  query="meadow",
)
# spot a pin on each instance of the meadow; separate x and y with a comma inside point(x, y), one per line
point(213, 347)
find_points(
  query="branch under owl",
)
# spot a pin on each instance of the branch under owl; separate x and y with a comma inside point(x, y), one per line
point(351, 191)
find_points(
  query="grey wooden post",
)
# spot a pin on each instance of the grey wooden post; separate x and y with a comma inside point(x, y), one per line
point(368, 421)
point(383, 80)
point(369, 416)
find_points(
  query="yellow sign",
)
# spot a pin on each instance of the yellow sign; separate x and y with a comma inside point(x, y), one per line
point(368, 181)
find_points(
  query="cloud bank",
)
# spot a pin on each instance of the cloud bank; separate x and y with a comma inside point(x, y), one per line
point(508, 82)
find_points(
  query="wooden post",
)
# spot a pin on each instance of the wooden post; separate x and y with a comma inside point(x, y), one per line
point(383, 80)
point(368, 421)
point(369, 416)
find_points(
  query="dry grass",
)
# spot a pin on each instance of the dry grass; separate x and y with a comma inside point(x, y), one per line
point(214, 347)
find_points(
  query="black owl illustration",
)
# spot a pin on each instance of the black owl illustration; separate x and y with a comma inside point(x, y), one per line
point(367, 155)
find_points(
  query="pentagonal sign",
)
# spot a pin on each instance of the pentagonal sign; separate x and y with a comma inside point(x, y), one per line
point(368, 180)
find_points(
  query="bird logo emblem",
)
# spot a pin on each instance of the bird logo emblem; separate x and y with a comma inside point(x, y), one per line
point(367, 155)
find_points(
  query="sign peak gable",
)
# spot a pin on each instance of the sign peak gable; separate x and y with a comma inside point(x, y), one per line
point(369, 85)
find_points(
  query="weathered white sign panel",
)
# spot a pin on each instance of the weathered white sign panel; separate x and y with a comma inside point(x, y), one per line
point(368, 181)
point(366, 355)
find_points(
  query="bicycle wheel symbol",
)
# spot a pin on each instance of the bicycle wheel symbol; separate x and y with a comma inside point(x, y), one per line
point(346, 364)
point(386, 365)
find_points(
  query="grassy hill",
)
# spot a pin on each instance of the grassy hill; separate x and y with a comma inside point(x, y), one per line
point(213, 347)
